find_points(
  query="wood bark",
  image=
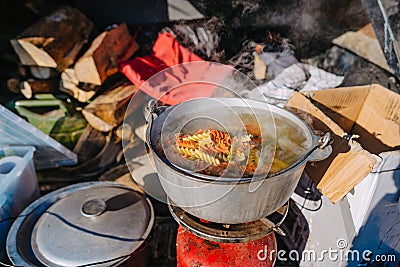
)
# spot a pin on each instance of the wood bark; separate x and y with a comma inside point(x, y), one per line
point(100, 60)
point(14, 85)
point(31, 87)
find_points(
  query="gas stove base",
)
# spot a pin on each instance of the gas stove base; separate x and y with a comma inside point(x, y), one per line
point(194, 251)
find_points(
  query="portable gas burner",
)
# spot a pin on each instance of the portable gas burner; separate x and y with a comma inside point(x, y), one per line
point(203, 243)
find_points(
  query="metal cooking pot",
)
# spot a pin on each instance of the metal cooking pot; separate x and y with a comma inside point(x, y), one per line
point(227, 200)
point(87, 224)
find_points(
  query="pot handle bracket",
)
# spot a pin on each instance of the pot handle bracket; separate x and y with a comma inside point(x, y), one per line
point(151, 111)
point(323, 149)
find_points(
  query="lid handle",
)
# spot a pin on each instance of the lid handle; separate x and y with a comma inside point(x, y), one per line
point(93, 207)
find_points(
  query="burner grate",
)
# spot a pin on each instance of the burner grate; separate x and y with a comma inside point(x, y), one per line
point(229, 233)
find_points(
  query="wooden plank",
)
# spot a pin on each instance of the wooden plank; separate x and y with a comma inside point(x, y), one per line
point(368, 30)
point(55, 40)
point(348, 168)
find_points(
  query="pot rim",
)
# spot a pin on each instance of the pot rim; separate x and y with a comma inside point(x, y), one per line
point(229, 180)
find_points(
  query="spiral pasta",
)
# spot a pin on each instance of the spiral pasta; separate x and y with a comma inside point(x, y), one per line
point(232, 151)
point(187, 144)
point(215, 134)
point(196, 137)
point(206, 157)
point(187, 152)
point(237, 154)
point(194, 154)
point(253, 156)
point(222, 140)
point(220, 137)
point(223, 157)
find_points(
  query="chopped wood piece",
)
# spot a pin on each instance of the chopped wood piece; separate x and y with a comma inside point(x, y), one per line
point(14, 85)
point(108, 110)
point(43, 72)
point(70, 85)
point(130, 50)
point(100, 60)
point(260, 69)
point(31, 87)
point(55, 40)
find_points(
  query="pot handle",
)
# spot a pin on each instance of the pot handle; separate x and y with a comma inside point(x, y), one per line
point(151, 111)
point(323, 149)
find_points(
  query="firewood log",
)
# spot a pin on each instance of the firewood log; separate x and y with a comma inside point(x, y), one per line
point(55, 40)
point(70, 85)
point(31, 87)
point(100, 60)
point(108, 110)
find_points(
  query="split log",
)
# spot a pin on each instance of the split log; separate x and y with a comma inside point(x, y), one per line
point(70, 85)
point(55, 40)
point(108, 110)
point(31, 87)
point(130, 50)
point(100, 60)
point(16, 76)
point(43, 73)
point(14, 85)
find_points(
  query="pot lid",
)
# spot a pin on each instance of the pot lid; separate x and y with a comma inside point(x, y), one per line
point(92, 226)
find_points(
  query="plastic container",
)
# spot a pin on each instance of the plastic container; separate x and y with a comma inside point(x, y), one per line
point(18, 187)
point(49, 153)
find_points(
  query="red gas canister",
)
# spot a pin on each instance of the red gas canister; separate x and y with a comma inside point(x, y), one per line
point(193, 251)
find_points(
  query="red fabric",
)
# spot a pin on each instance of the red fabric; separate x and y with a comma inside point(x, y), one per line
point(167, 52)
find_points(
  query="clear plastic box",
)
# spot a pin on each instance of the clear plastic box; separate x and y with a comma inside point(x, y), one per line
point(18, 187)
point(49, 153)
